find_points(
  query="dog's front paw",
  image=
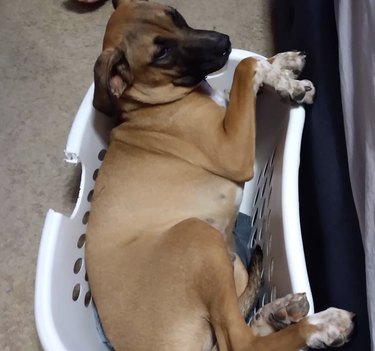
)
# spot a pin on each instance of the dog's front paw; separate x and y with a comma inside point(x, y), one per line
point(299, 91)
point(334, 328)
point(290, 62)
point(278, 78)
point(280, 313)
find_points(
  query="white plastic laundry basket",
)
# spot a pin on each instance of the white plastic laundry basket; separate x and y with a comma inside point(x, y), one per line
point(64, 310)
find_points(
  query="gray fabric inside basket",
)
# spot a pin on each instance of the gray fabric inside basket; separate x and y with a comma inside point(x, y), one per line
point(242, 230)
point(100, 330)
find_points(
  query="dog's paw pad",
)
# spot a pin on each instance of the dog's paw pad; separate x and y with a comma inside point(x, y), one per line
point(334, 328)
point(296, 306)
point(291, 62)
point(287, 310)
point(282, 312)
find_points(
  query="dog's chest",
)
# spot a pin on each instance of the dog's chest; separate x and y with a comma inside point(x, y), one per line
point(218, 97)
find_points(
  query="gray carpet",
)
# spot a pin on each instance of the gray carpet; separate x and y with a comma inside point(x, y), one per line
point(47, 51)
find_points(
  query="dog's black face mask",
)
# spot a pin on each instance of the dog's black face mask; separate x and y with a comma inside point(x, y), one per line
point(207, 52)
point(194, 55)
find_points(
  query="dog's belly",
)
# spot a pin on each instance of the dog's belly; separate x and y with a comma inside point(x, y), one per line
point(143, 194)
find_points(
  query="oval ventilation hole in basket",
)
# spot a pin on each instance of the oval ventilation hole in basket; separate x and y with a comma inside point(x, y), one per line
point(87, 299)
point(85, 218)
point(90, 195)
point(77, 266)
point(270, 176)
point(81, 241)
point(76, 292)
point(265, 168)
point(260, 233)
point(101, 154)
point(273, 157)
point(254, 237)
point(95, 174)
point(254, 217)
point(259, 178)
point(263, 299)
point(256, 197)
point(265, 188)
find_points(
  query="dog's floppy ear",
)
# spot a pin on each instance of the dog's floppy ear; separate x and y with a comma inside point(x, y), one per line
point(117, 3)
point(111, 77)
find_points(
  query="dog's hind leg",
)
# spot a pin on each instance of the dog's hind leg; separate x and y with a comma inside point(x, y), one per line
point(248, 294)
point(211, 272)
point(208, 286)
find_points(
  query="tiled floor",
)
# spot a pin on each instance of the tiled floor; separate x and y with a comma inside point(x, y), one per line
point(47, 51)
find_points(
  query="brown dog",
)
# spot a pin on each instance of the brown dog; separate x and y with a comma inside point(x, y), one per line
point(159, 243)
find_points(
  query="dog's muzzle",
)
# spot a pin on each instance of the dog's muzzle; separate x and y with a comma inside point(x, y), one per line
point(203, 52)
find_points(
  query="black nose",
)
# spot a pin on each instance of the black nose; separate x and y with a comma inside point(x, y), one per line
point(224, 45)
point(219, 43)
point(216, 43)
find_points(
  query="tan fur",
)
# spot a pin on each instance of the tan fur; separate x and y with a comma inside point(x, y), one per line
point(159, 241)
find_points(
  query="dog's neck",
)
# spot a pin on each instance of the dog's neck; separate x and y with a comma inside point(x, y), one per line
point(135, 99)
point(139, 96)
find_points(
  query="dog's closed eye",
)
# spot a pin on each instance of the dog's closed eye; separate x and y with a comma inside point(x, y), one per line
point(161, 54)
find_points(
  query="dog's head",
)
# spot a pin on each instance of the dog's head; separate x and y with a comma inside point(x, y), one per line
point(150, 55)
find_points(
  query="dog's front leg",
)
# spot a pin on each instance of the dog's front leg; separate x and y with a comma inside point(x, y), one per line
point(237, 138)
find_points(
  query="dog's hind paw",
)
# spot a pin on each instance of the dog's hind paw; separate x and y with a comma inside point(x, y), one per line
point(280, 313)
point(334, 328)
